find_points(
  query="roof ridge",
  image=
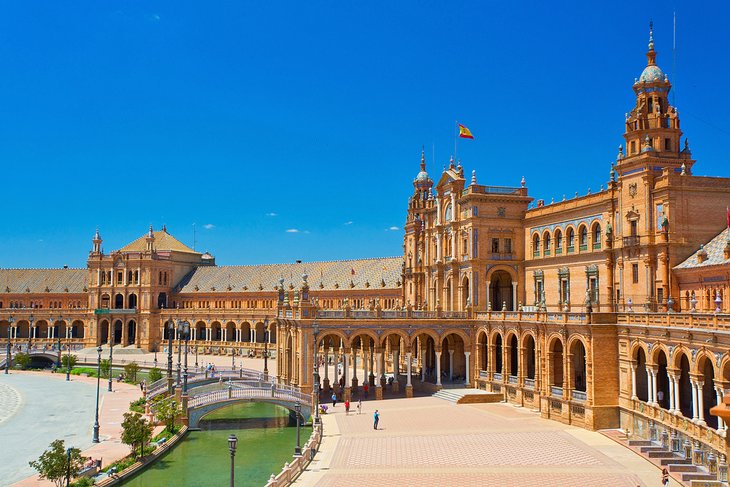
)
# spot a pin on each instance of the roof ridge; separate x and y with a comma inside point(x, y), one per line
point(43, 268)
point(301, 263)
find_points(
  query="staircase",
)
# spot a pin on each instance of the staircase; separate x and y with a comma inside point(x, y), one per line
point(676, 464)
point(468, 396)
point(451, 395)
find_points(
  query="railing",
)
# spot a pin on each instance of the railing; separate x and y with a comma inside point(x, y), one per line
point(583, 247)
point(676, 320)
point(597, 246)
point(539, 317)
point(512, 379)
point(363, 313)
point(483, 374)
point(250, 389)
point(423, 314)
point(530, 383)
point(570, 249)
point(454, 314)
point(502, 256)
point(160, 386)
point(498, 376)
point(394, 314)
point(331, 314)
point(578, 395)
point(294, 468)
point(556, 391)
point(631, 241)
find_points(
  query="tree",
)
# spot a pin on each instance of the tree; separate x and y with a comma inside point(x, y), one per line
point(155, 374)
point(54, 463)
point(168, 410)
point(22, 359)
point(136, 431)
point(105, 368)
point(65, 361)
point(130, 371)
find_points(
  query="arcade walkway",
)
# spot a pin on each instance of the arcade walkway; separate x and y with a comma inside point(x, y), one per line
point(431, 442)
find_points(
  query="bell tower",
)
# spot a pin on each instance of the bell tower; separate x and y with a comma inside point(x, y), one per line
point(653, 134)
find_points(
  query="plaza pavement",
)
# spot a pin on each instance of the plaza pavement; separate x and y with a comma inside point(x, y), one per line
point(33, 413)
point(427, 441)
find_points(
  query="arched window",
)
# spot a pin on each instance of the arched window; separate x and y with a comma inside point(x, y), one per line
point(447, 213)
point(536, 246)
point(558, 242)
point(583, 238)
point(546, 243)
point(597, 236)
point(570, 240)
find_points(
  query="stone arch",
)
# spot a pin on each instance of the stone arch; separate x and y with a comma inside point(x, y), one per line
point(535, 244)
point(498, 348)
point(682, 364)
point(634, 350)
point(387, 334)
point(705, 366)
point(546, 242)
point(595, 234)
point(578, 363)
point(200, 327)
point(500, 280)
point(556, 349)
point(529, 345)
point(231, 331)
point(131, 332)
point(453, 361)
point(117, 331)
point(104, 331)
point(570, 232)
point(78, 329)
point(465, 292)
point(259, 330)
point(132, 301)
point(119, 301)
point(216, 331)
point(558, 240)
point(246, 331)
point(512, 347)
point(482, 348)
point(656, 349)
point(660, 359)
point(424, 344)
point(328, 334)
point(41, 329)
point(583, 235)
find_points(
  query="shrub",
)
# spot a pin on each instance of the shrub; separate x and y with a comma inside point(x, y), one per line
point(105, 368)
point(54, 463)
point(137, 406)
point(91, 372)
point(136, 432)
point(130, 372)
point(154, 375)
point(22, 359)
point(65, 360)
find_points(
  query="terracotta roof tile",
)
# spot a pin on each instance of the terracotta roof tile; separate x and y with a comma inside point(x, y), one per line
point(715, 249)
point(163, 241)
point(41, 281)
point(368, 273)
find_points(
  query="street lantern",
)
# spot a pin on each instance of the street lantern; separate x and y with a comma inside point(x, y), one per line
point(8, 352)
point(232, 441)
point(30, 328)
point(315, 332)
point(170, 331)
point(183, 328)
point(69, 333)
point(68, 466)
point(113, 328)
point(58, 362)
point(298, 409)
point(266, 349)
point(95, 439)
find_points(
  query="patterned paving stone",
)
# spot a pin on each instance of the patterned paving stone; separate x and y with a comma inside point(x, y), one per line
point(10, 401)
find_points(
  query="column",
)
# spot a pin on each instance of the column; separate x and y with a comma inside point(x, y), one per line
point(489, 299)
point(514, 296)
point(364, 365)
point(633, 383)
point(654, 386)
point(409, 386)
point(718, 395)
point(424, 351)
point(438, 368)
point(468, 370)
point(326, 363)
point(677, 408)
point(225, 335)
point(695, 415)
point(346, 392)
point(451, 365)
point(33, 335)
point(337, 365)
point(649, 387)
point(378, 374)
point(396, 364)
point(193, 334)
point(671, 394)
point(700, 404)
point(354, 368)
point(371, 378)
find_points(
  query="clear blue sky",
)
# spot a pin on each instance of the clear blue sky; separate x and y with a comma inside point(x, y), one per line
point(293, 130)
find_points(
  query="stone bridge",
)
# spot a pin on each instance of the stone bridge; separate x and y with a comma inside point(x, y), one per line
point(197, 379)
point(50, 355)
point(247, 391)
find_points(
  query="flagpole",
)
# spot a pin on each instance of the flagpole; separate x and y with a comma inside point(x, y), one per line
point(456, 138)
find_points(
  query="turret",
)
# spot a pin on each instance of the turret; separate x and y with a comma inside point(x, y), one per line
point(96, 241)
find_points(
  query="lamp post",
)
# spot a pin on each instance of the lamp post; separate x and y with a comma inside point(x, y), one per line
point(183, 329)
point(111, 350)
point(7, 350)
point(232, 440)
point(315, 332)
point(69, 332)
point(266, 349)
point(298, 448)
point(95, 439)
point(179, 351)
point(68, 466)
point(58, 362)
point(196, 355)
point(170, 327)
point(30, 328)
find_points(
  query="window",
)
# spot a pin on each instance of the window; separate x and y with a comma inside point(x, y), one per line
point(571, 239)
point(536, 246)
point(447, 213)
point(634, 228)
point(558, 240)
point(546, 243)
point(120, 277)
point(633, 147)
point(596, 236)
point(495, 245)
point(667, 144)
point(659, 216)
point(660, 295)
point(508, 245)
point(583, 238)
point(635, 273)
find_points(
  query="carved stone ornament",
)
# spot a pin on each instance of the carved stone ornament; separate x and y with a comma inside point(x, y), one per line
point(633, 188)
point(501, 212)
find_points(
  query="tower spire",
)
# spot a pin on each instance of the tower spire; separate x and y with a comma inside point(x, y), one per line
point(651, 54)
point(423, 158)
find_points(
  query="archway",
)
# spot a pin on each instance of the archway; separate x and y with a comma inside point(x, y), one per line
point(131, 332)
point(465, 293)
point(556, 363)
point(272, 332)
point(578, 365)
point(425, 348)
point(455, 359)
point(483, 351)
point(662, 380)
point(216, 332)
point(23, 329)
point(246, 331)
point(117, 335)
point(162, 300)
point(529, 361)
point(498, 354)
point(200, 331)
point(642, 387)
point(41, 329)
point(118, 301)
point(260, 335)
point(500, 291)
point(104, 332)
point(685, 388)
point(230, 331)
point(133, 301)
point(77, 329)
point(514, 356)
point(331, 357)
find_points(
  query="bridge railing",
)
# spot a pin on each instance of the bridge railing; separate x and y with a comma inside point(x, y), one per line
point(250, 389)
point(160, 386)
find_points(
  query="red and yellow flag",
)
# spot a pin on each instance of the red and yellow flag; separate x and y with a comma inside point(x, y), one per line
point(464, 132)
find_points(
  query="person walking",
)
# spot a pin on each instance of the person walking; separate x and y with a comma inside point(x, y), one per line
point(359, 406)
point(665, 476)
point(376, 419)
point(347, 407)
point(334, 399)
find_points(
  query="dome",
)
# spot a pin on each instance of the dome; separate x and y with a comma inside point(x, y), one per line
point(651, 74)
point(422, 176)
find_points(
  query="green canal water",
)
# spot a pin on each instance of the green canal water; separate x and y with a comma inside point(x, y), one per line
point(265, 442)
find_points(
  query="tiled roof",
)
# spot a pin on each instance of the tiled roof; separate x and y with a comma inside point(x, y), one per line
point(42, 280)
point(715, 249)
point(163, 241)
point(322, 276)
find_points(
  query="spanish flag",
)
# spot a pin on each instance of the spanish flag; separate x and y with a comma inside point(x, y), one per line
point(464, 132)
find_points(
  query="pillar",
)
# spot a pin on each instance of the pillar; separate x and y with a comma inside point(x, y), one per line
point(365, 365)
point(677, 409)
point(451, 365)
point(225, 334)
point(354, 368)
point(634, 397)
point(695, 415)
point(720, 422)
point(649, 387)
point(409, 386)
point(468, 370)
point(700, 404)
point(378, 375)
point(654, 387)
point(326, 381)
point(671, 393)
point(514, 296)
point(372, 370)
point(438, 367)
point(488, 297)
point(346, 392)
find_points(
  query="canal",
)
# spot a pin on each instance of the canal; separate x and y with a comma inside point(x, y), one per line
point(266, 441)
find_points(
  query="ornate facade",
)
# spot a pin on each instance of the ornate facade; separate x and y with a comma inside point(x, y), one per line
point(604, 310)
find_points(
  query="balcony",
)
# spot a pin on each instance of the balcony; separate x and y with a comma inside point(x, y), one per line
point(107, 311)
point(578, 395)
point(583, 247)
point(558, 251)
point(556, 391)
point(597, 246)
point(571, 249)
point(497, 376)
point(632, 241)
point(530, 383)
